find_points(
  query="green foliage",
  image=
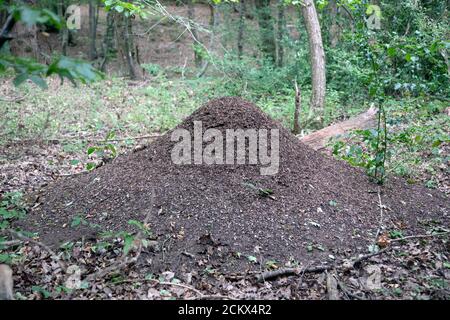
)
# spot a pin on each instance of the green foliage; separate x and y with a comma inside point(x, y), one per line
point(30, 16)
point(11, 209)
point(372, 155)
point(104, 150)
point(64, 67)
point(127, 8)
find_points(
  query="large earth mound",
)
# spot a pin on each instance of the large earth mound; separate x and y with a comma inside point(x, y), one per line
point(211, 215)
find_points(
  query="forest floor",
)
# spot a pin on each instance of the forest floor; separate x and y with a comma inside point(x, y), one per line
point(45, 136)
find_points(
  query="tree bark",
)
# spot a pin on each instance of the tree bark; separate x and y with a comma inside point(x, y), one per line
point(298, 106)
point(267, 36)
point(196, 46)
point(213, 20)
point(334, 28)
point(92, 29)
point(108, 40)
point(6, 29)
point(63, 31)
point(281, 32)
point(317, 55)
point(240, 39)
point(124, 43)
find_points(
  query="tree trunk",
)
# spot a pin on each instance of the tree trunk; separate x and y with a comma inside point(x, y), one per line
point(6, 29)
point(92, 29)
point(124, 43)
point(265, 22)
point(63, 31)
point(334, 28)
point(298, 106)
point(213, 20)
point(317, 55)
point(240, 39)
point(281, 32)
point(196, 45)
point(108, 40)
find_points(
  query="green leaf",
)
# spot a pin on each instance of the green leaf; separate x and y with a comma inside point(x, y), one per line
point(91, 150)
point(18, 80)
point(90, 166)
point(128, 243)
point(5, 258)
point(39, 81)
point(74, 162)
point(391, 51)
point(46, 294)
point(76, 221)
point(136, 223)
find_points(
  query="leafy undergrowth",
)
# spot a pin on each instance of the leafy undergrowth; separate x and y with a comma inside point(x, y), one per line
point(418, 143)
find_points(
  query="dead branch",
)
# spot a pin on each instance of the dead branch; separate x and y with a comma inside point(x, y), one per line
point(317, 140)
point(15, 99)
point(22, 237)
point(268, 275)
point(421, 236)
point(332, 287)
point(381, 214)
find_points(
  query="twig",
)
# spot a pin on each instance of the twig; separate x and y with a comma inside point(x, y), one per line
point(15, 99)
point(320, 268)
point(368, 256)
point(381, 215)
point(421, 236)
point(10, 243)
point(267, 275)
point(155, 135)
point(22, 237)
point(332, 287)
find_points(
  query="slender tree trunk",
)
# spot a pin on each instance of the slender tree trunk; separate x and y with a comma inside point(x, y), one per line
point(63, 31)
point(213, 20)
point(6, 29)
point(317, 55)
point(124, 43)
point(265, 22)
point(334, 28)
point(298, 106)
point(92, 29)
point(240, 39)
point(108, 40)
point(281, 32)
point(196, 46)
point(129, 49)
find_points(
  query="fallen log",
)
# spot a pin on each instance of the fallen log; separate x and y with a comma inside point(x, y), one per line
point(317, 140)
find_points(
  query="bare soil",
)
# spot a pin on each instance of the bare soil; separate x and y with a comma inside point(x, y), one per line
point(206, 216)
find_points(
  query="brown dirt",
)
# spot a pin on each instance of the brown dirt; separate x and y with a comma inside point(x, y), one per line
point(204, 215)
